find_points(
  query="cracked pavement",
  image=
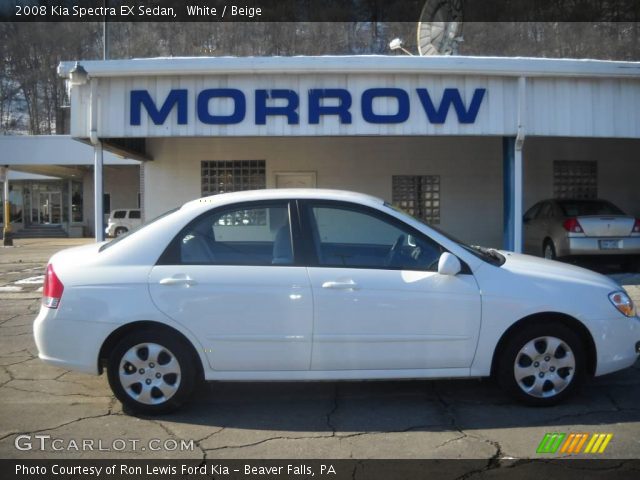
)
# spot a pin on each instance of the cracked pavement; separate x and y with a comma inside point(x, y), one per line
point(399, 419)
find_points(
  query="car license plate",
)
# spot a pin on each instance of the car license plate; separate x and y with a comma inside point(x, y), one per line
point(609, 244)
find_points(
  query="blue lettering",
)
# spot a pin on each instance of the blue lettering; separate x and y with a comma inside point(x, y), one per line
point(239, 109)
point(177, 99)
point(449, 97)
point(342, 109)
point(403, 105)
point(142, 97)
point(289, 111)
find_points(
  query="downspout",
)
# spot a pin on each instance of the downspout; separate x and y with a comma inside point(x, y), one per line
point(97, 164)
point(518, 192)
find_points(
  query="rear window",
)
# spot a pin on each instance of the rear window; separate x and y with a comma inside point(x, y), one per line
point(578, 208)
point(137, 229)
point(134, 214)
point(119, 214)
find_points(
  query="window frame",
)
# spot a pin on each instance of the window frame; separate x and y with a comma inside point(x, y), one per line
point(171, 253)
point(567, 191)
point(420, 181)
point(308, 245)
point(234, 164)
point(532, 212)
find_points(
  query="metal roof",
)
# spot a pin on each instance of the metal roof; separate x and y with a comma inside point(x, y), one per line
point(369, 64)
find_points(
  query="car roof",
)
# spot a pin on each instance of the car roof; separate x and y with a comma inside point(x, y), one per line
point(284, 194)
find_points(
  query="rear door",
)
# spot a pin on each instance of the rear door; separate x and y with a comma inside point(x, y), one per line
point(231, 277)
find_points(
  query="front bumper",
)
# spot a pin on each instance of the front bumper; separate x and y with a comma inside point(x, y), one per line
point(616, 340)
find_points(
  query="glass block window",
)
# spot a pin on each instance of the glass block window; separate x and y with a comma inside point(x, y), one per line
point(221, 176)
point(418, 195)
point(575, 180)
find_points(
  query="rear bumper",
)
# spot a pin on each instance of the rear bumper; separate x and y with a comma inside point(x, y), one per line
point(591, 246)
point(73, 345)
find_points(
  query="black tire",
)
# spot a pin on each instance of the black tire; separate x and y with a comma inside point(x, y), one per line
point(178, 387)
point(568, 378)
point(548, 245)
point(120, 231)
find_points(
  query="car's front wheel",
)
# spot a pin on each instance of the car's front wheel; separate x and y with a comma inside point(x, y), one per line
point(542, 364)
point(120, 231)
point(151, 372)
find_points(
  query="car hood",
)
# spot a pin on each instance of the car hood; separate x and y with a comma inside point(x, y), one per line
point(554, 271)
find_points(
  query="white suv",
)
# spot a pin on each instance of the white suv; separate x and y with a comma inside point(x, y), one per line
point(122, 221)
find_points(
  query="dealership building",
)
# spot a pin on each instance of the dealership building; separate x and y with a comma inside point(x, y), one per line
point(50, 185)
point(466, 143)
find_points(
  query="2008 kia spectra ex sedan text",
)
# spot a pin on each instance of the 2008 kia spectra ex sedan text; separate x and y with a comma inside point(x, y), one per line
point(322, 285)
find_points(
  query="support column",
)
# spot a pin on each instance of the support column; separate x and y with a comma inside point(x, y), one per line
point(98, 188)
point(512, 201)
point(7, 236)
point(518, 194)
point(69, 206)
point(508, 181)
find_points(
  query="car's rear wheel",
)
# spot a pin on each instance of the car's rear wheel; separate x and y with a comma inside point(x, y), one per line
point(120, 231)
point(542, 364)
point(151, 372)
point(549, 250)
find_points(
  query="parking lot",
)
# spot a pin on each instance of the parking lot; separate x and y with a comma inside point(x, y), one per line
point(402, 419)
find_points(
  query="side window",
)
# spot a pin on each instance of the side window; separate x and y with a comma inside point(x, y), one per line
point(545, 211)
point(252, 235)
point(349, 237)
point(532, 212)
point(119, 214)
point(134, 214)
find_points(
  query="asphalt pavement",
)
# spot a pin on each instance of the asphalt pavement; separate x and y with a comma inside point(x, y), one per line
point(47, 412)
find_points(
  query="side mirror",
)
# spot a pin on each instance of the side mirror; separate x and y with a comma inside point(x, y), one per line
point(449, 264)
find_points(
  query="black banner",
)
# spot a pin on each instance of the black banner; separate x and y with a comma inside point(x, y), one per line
point(534, 469)
point(320, 10)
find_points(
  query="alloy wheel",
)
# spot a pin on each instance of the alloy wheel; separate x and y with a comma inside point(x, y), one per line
point(544, 367)
point(149, 373)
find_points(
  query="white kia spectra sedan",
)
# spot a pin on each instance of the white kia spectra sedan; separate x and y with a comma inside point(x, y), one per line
point(308, 284)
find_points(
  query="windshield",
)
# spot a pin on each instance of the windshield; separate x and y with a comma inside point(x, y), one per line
point(488, 255)
point(134, 230)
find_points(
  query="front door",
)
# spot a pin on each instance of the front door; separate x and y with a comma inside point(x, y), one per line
point(379, 302)
point(231, 279)
point(49, 208)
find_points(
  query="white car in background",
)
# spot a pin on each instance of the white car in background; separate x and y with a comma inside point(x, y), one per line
point(307, 284)
point(122, 221)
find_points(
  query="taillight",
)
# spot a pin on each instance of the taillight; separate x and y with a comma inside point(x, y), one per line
point(636, 226)
point(572, 225)
point(52, 289)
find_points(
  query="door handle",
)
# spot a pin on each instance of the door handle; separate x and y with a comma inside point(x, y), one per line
point(341, 285)
point(178, 280)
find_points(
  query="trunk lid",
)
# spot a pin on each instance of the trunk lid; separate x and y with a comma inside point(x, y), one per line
point(606, 225)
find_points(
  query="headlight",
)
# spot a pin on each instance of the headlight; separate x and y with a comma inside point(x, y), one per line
point(623, 303)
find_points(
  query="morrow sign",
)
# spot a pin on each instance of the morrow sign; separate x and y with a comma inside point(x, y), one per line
point(331, 102)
